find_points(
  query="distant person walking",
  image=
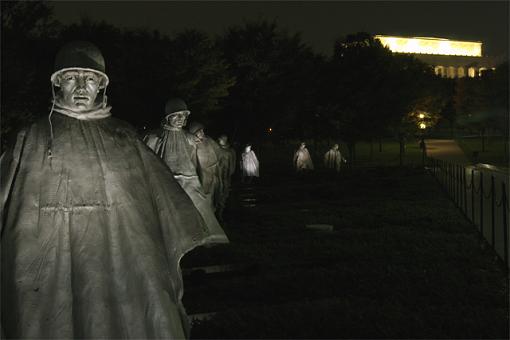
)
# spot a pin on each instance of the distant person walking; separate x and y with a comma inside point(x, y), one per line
point(302, 160)
point(333, 158)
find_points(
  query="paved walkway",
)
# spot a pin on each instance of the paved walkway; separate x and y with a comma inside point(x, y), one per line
point(447, 150)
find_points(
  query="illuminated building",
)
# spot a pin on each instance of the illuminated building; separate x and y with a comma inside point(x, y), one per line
point(450, 58)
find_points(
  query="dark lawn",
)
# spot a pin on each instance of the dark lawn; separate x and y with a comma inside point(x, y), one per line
point(402, 262)
point(496, 150)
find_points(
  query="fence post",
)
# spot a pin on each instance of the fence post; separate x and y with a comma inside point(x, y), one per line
point(504, 205)
point(465, 190)
point(454, 183)
point(493, 217)
point(440, 171)
point(481, 203)
point(473, 195)
point(449, 167)
point(445, 166)
point(459, 204)
point(446, 184)
point(450, 182)
point(443, 175)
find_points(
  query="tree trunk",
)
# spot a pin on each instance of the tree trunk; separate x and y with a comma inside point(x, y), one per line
point(482, 133)
point(352, 152)
point(380, 144)
point(507, 147)
point(402, 150)
point(371, 149)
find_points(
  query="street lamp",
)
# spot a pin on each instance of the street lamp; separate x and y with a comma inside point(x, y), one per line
point(422, 125)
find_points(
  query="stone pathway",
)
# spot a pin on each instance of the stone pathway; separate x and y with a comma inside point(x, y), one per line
point(446, 150)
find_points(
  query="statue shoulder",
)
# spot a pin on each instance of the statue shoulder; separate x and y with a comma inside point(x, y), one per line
point(153, 138)
point(214, 144)
point(189, 137)
point(155, 133)
point(123, 127)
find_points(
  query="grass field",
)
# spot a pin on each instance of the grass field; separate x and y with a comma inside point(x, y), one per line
point(401, 262)
point(278, 158)
point(494, 153)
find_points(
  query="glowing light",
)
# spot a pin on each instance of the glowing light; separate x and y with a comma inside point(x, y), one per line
point(270, 130)
point(421, 115)
point(423, 126)
point(471, 72)
point(424, 45)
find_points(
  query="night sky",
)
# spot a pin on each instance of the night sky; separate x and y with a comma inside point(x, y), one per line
point(319, 22)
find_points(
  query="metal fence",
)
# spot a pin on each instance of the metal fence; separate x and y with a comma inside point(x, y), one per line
point(482, 194)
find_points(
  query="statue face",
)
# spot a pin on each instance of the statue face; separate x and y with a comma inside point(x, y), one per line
point(335, 147)
point(177, 120)
point(223, 140)
point(200, 134)
point(248, 148)
point(79, 89)
point(302, 146)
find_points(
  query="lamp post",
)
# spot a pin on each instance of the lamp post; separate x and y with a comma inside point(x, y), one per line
point(423, 148)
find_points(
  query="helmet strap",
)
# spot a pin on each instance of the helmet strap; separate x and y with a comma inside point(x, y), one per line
point(50, 142)
point(104, 97)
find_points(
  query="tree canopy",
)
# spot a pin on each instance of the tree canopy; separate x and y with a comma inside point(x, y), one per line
point(255, 81)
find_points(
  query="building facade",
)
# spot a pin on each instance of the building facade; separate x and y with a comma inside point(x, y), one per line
point(450, 58)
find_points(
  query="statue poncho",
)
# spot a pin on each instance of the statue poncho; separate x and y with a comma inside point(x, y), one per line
point(227, 167)
point(92, 236)
point(249, 163)
point(333, 159)
point(302, 160)
point(208, 170)
point(178, 150)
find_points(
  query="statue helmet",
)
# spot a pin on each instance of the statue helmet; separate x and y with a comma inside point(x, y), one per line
point(80, 55)
point(223, 140)
point(176, 105)
point(195, 127)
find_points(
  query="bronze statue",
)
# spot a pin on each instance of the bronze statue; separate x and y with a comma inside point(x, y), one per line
point(227, 167)
point(302, 160)
point(178, 149)
point(333, 159)
point(94, 224)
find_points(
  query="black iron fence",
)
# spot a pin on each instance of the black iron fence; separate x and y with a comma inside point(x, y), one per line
point(482, 194)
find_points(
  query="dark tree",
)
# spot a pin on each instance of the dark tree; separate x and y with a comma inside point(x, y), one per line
point(28, 32)
point(199, 74)
point(482, 102)
point(146, 68)
point(373, 92)
point(276, 81)
point(361, 86)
